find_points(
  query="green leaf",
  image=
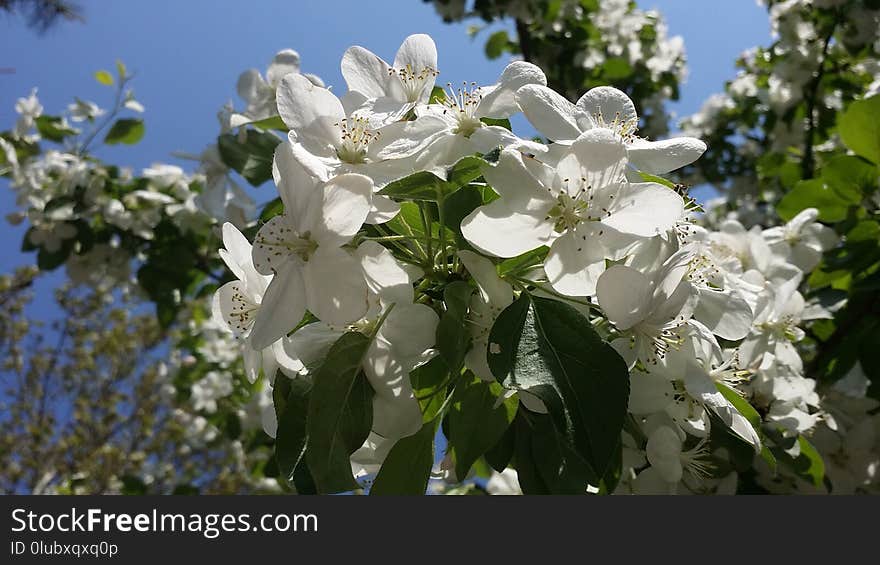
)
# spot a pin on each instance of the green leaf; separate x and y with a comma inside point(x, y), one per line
point(291, 437)
point(453, 331)
point(407, 468)
point(429, 187)
point(457, 207)
point(522, 263)
point(272, 209)
point(273, 122)
point(550, 349)
point(51, 260)
point(503, 122)
point(340, 414)
point(476, 424)
point(548, 457)
point(120, 70)
point(497, 43)
point(859, 128)
point(853, 175)
point(809, 463)
point(500, 454)
point(742, 405)
point(127, 130)
point(438, 95)
point(409, 222)
point(104, 77)
point(831, 201)
point(252, 159)
point(648, 177)
point(53, 129)
point(429, 383)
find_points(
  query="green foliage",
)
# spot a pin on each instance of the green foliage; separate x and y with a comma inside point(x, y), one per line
point(251, 157)
point(407, 468)
point(478, 419)
point(549, 349)
point(127, 130)
point(340, 414)
point(859, 128)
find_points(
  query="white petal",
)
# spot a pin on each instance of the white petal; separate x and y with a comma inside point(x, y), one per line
point(270, 252)
point(231, 303)
point(703, 389)
point(494, 290)
point(301, 104)
point(404, 139)
point(385, 276)
point(724, 312)
point(237, 252)
point(550, 113)
point(409, 329)
point(645, 209)
point(337, 210)
point(419, 53)
point(383, 209)
point(609, 103)
point(658, 157)
point(664, 452)
point(334, 286)
point(499, 101)
point(249, 85)
point(282, 308)
point(311, 343)
point(285, 62)
point(575, 262)
point(295, 183)
point(366, 73)
point(499, 229)
point(624, 295)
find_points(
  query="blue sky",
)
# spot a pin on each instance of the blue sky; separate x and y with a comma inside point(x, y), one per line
point(187, 57)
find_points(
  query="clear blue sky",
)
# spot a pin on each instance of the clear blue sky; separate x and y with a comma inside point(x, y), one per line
point(187, 57)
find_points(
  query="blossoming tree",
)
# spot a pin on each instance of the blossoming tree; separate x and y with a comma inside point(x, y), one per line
point(556, 308)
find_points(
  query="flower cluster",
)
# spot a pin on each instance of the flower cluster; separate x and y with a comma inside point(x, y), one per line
point(706, 321)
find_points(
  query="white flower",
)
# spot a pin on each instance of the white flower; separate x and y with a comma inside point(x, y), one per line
point(505, 483)
point(775, 329)
point(456, 126)
point(237, 303)
point(83, 110)
point(402, 343)
point(667, 455)
point(210, 388)
point(327, 141)
point(651, 309)
point(259, 92)
point(29, 109)
point(585, 210)
point(493, 297)
point(606, 108)
point(222, 198)
point(390, 91)
point(303, 248)
point(802, 240)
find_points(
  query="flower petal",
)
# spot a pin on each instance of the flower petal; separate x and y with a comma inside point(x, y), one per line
point(645, 209)
point(334, 286)
point(301, 104)
point(610, 104)
point(494, 290)
point(499, 229)
point(367, 73)
point(551, 114)
point(282, 308)
point(499, 100)
point(285, 62)
point(658, 157)
point(575, 262)
point(337, 210)
point(624, 295)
